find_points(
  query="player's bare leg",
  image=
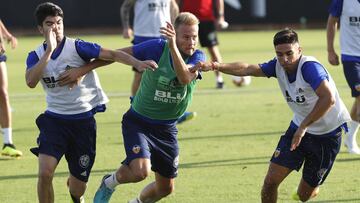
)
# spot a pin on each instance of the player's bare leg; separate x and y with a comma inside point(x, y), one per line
point(47, 165)
point(158, 189)
point(306, 192)
point(76, 188)
point(275, 175)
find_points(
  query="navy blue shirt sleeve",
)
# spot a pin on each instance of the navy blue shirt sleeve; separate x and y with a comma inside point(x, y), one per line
point(149, 50)
point(314, 73)
point(198, 56)
point(269, 68)
point(32, 59)
point(86, 50)
point(336, 8)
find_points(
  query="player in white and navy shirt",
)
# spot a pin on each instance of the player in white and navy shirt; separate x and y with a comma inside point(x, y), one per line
point(67, 127)
point(313, 138)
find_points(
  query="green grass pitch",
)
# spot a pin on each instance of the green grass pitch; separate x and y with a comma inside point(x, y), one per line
point(224, 152)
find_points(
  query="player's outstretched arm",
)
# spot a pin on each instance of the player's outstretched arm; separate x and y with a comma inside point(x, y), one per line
point(72, 76)
point(236, 68)
point(125, 58)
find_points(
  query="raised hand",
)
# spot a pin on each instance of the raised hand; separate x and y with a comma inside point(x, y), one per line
point(148, 64)
point(50, 38)
point(13, 42)
point(169, 33)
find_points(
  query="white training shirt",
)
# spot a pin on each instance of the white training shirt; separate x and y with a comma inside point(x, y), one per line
point(350, 28)
point(301, 99)
point(61, 100)
point(150, 15)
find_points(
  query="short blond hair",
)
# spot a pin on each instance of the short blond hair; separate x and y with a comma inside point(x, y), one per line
point(186, 18)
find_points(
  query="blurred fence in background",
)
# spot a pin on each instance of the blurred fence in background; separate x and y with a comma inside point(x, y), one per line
point(257, 14)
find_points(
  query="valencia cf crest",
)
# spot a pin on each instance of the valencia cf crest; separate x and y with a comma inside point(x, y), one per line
point(84, 161)
point(276, 153)
point(136, 149)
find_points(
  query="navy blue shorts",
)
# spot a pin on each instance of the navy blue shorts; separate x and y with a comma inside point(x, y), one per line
point(352, 75)
point(76, 139)
point(3, 58)
point(316, 153)
point(207, 34)
point(157, 142)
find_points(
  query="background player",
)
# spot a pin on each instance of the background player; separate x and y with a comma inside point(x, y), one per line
point(345, 13)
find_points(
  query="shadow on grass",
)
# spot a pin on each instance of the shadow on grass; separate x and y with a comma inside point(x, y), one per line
point(57, 174)
point(214, 163)
point(232, 135)
point(339, 200)
point(227, 162)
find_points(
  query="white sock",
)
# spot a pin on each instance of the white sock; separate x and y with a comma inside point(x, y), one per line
point(353, 129)
point(136, 200)
point(219, 78)
point(111, 182)
point(7, 134)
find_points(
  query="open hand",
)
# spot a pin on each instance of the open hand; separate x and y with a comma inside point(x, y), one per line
point(148, 64)
point(70, 77)
point(299, 134)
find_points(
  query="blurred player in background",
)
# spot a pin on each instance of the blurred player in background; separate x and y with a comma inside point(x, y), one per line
point(8, 148)
point(347, 15)
point(68, 125)
point(209, 22)
point(149, 16)
point(313, 138)
point(149, 126)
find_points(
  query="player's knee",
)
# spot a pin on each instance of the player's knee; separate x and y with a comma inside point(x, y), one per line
point(46, 175)
point(270, 183)
point(166, 190)
point(141, 174)
point(305, 196)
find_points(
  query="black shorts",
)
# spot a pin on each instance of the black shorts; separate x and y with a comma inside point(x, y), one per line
point(316, 154)
point(207, 34)
point(352, 75)
point(76, 139)
point(3, 58)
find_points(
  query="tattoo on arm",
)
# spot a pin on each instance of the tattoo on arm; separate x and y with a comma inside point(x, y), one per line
point(125, 12)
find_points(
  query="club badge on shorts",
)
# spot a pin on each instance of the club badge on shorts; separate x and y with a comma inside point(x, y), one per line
point(276, 153)
point(84, 161)
point(136, 149)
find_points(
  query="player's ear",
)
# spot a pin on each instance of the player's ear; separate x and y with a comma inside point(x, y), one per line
point(300, 50)
point(41, 29)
